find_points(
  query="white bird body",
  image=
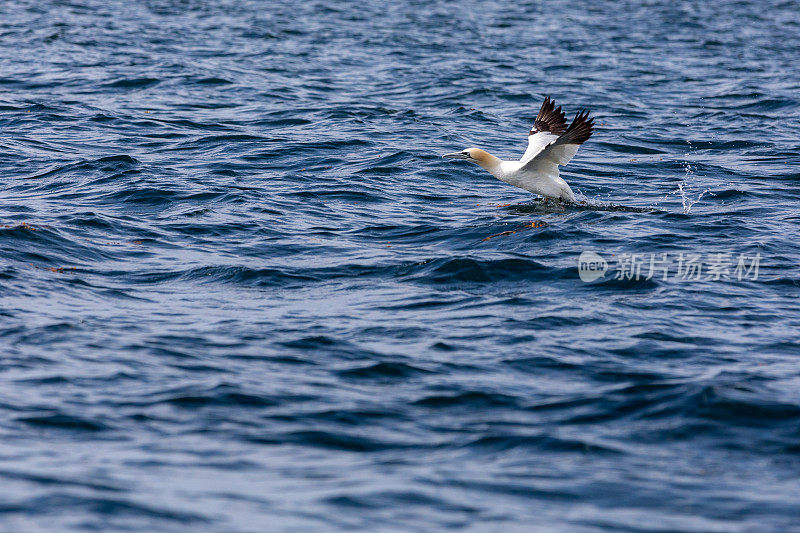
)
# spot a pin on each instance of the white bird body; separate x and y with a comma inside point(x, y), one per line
point(550, 144)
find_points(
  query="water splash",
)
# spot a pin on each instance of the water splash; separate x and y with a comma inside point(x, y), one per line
point(686, 200)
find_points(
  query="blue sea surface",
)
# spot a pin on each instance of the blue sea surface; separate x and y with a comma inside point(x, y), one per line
point(241, 291)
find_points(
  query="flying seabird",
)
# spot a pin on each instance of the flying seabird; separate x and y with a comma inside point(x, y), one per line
point(550, 144)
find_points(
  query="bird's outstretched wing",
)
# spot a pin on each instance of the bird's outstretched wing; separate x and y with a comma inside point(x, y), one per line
point(560, 150)
point(548, 126)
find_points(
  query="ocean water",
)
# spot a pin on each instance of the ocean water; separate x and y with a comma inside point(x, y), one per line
point(241, 291)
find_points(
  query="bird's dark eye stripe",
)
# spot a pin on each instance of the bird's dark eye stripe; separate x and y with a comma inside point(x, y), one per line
point(465, 152)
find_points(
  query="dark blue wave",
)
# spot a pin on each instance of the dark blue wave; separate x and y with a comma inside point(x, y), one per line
point(241, 290)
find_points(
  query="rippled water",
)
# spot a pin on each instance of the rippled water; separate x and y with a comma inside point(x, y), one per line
point(241, 291)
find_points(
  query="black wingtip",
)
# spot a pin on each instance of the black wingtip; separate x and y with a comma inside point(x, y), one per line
point(580, 130)
point(550, 118)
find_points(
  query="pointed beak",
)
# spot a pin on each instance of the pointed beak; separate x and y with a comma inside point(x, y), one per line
point(455, 155)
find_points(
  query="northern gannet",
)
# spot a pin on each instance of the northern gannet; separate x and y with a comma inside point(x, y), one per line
point(550, 144)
